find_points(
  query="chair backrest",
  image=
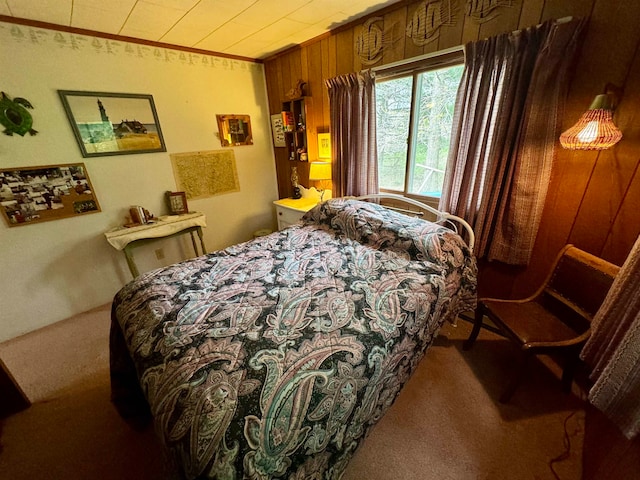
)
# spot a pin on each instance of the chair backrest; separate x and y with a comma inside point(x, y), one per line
point(580, 282)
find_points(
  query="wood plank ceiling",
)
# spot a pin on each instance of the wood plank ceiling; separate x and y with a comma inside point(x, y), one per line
point(247, 28)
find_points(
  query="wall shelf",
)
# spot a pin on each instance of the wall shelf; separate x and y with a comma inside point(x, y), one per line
point(295, 129)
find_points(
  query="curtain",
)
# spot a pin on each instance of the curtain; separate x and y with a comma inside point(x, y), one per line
point(613, 349)
point(352, 107)
point(505, 131)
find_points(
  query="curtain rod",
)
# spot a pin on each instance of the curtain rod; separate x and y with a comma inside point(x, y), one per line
point(419, 58)
point(439, 53)
point(559, 20)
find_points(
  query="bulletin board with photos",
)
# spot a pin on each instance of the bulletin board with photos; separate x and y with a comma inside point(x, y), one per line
point(38, 194)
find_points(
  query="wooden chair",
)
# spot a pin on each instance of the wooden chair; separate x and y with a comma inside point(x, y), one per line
point(556, 319)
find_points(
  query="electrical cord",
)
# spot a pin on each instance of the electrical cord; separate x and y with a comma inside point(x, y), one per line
point(567, 446)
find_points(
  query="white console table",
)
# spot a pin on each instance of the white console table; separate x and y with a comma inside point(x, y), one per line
point(125, 239)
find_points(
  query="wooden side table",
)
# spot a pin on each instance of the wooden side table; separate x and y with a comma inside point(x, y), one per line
point(126, 239)
point(290, 211)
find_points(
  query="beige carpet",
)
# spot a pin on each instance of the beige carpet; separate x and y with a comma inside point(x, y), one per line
point(446, 423)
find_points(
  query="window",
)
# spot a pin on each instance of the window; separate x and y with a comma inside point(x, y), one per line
point(414, 115)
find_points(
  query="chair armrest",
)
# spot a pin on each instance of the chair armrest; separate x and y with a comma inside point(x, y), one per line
point(580, 339)
point(502, 300)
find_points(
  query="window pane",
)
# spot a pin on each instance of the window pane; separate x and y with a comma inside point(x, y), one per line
point(436, 95)
point(393, 107)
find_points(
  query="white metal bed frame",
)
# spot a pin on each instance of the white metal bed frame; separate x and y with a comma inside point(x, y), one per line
point(440, 216)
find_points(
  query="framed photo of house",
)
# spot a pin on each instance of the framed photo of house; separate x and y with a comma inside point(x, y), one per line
point(38, 194)
point(177, 203)
point(113, 123)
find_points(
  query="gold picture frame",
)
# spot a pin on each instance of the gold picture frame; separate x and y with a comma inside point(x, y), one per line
point(234, 130)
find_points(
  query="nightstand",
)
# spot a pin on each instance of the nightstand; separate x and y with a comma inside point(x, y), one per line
point(290, 211)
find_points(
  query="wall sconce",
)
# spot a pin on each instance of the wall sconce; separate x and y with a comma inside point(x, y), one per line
point(320, 171)
point(595, 130)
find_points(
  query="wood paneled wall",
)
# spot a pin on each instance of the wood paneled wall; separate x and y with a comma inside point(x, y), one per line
point(594, 197)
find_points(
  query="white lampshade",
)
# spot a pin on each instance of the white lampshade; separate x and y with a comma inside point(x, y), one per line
point(320, 171)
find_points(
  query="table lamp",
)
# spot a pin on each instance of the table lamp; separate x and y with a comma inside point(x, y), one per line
point(320, 171)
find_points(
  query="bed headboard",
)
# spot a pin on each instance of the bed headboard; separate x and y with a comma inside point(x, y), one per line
point(440, 216)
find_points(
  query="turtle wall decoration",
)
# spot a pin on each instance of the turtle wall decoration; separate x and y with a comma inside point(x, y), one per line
point(14, 115)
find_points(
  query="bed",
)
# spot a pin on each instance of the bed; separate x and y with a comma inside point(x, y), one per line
point(274, 358)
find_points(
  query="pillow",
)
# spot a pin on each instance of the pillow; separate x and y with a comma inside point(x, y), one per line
point(383, 229)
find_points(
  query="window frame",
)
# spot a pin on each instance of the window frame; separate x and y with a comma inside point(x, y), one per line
point(414, 67)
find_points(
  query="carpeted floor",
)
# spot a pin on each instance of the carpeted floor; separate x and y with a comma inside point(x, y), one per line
point(446, 423)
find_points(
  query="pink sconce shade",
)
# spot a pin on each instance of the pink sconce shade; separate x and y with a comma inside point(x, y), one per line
point(595, 130)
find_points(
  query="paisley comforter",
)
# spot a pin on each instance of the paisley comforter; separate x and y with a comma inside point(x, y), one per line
point(274, 358)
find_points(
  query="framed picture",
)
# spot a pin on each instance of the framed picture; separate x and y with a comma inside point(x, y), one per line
point(177, 203)
point(37, 194)
point(277, 128)
point(324, 145)
point(234, 130)
point(113, 123)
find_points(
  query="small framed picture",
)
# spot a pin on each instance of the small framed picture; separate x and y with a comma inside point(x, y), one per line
point(234, 130)
point(177, 203)
point(324, 145)
point(277, 128)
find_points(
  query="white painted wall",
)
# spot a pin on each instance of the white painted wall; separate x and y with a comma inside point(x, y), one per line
point(56, 269)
